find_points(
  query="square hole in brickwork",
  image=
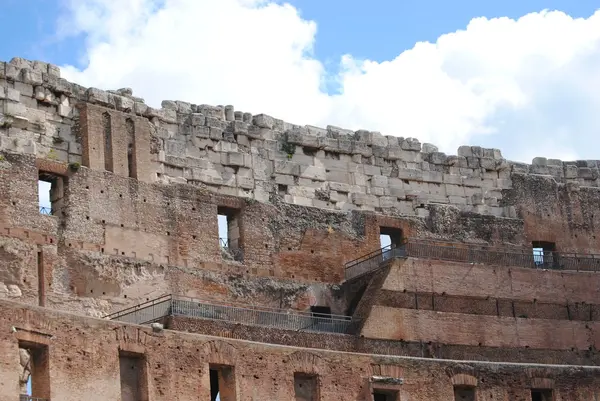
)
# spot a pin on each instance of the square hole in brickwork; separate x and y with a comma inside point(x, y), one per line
point(541, 395)
point(134, 376)
point(464, 393)
point(385, 395)
point(306, 387)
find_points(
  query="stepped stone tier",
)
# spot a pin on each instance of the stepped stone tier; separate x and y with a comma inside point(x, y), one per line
point(123, 290)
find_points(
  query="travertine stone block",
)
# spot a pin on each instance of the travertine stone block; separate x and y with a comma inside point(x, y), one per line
point(411, 144)
point(360, 199)
point(263, 121)
point(313, 172)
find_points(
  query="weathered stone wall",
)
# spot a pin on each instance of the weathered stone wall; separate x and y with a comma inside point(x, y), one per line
point(142, 188)
point(84, 363)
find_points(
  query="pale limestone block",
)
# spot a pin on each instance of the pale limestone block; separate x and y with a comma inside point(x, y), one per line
point(302, 159)
point(437, 189)
point(232, 159)
point(263, 121)
point(395, 191)
point(261, 168)
point(410, 174)
point(13, 95)
point(358, 179)
point(371, 170)
point(395, 182)
point(338, 196)
point(313, 172)
point(457, 200)
point(379, 181)
point(286, 167)
point(340, 187)
point(360, 199)
point(301, 191)
point(433, 176)
point(454, 179)
point(65, 111)
point(245, 182)
point(377, 191)
point(338, 176)
point(284, 179)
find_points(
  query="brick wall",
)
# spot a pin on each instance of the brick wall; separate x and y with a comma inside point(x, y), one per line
point(84, 360)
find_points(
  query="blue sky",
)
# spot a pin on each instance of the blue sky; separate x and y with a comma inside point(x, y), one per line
point(519, 79)
point(377, 29)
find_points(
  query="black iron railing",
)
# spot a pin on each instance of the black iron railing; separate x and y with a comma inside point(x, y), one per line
point(25, 397)
point(46, 210)
point(517, 257)
point(234, 253)
point(169, 305)
point(146, 312)
point(373, 260)
point(469, 253)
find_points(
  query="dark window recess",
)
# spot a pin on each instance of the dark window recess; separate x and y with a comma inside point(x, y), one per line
point(391, 236)
point(107, 131)
point(306, 387)
point(544, 254)
point(464, 393)
point(541, 395)
point(131, 167)
point(134, 381)
point(321, 311)
point(385, 395)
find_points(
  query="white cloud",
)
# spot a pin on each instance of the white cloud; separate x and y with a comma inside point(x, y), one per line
point(530, 86)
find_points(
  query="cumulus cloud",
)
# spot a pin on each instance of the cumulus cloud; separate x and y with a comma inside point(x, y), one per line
point(529, 86)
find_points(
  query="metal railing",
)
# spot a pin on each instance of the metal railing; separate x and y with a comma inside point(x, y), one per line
point(251, 315)
point(46, 210)
point(25, 397)
point(235, 253)
point(146, 312)
point(372, 261)
point(469, 253)
point(523, 257)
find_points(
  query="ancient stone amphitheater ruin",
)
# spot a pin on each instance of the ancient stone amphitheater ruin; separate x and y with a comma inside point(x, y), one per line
point(122, 288)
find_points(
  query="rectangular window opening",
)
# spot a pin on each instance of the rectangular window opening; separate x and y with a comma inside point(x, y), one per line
point(464, 393)
point(306, 387)
point(544, 254)
point(390, 236)
point(385, 395)
point(134, 382)
point(131, 165)
point(229, 233)
point(222, 383)
point(541, 395)
point(34, 374)
point(51, 191)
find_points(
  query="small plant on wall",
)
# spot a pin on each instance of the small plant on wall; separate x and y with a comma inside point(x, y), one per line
point(74, 166)
point(288, 148)
point(52, 155)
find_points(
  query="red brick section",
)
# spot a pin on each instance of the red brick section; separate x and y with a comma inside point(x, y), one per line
point(84, 360)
